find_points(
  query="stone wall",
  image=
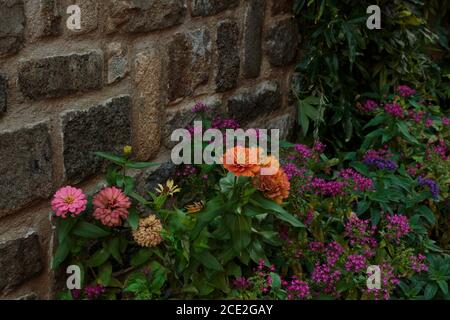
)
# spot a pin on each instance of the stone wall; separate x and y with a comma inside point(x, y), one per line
point(129, 76)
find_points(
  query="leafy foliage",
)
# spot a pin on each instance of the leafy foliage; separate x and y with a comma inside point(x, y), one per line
point(341, 59)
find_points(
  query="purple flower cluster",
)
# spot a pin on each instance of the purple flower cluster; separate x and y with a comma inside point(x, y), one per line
point(200, 107)
point(416, 116)
point(431, 184)
point(264, 273)
point(94, 292)
point(219, 123)
point(333, 252)
point(369, 105)
point(361, 235)
point(389, 282)
point(76, 293)
point(405, 91)
point(397, 227)
point(319, 147)
point(309, 218)
point(440, 149)
point(328, 188)
point(283, 232)
point(394, 109)
point(316, 246)
point(325, 275)
point(241, 283)
point(186, 171)
point(359, 182)
point(305, 152)
point(355, 263)
point(193, 130)
point(412, 171)
point(417, 263)
point(445, 121)
point(292, 170)
point(377, 158)
point(388, 276)
point(296, 289)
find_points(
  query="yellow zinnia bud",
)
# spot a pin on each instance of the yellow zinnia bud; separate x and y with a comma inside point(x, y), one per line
point(127, 150)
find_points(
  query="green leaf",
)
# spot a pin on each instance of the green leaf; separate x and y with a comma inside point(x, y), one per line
point(141, 165)
point(404, 183)
point(114, 249)
point(286, 144)
point(348, 128)
point(208, 260)
point(211, 211)
point(344, 286)
point(276, 281)
point(256, 251)
point(129, 185)
point(227, 183)
point(65, 295)
point(306, 112)
point(311, 100)
point(350, 156)
point(120, 180)
point(270, 237)
point(159, 274)
point(360, 167)
point(88, 230)
point(190, 289)
point(370, 137)
point(111, 175)
point(138, 198)
point(405, 132)
point(62, 252)
point(277, 210)
point(133, 218)
point(115, 283)
point(375, 121)
point(105, 273)
point(430, 291)
point(240, 228)
point(99, 257)
point(111, 157)
point(444, 286)
point(375, 216)
point(251, 211)
point(141, 257)
point(362, 207)
point(427, 214)
point(233, 269)
point(64, 228)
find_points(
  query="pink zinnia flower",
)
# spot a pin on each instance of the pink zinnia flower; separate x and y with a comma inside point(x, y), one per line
point(110, 205)
point(69, 200)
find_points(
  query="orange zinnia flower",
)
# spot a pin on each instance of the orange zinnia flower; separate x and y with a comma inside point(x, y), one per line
point(242, 161)
point(275, 187)
point(269, 165)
